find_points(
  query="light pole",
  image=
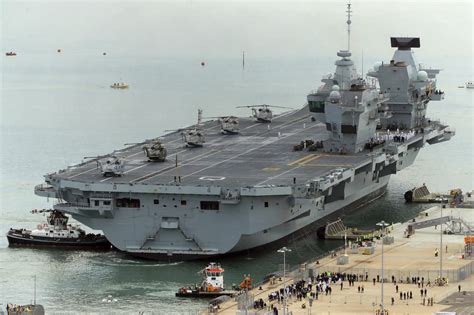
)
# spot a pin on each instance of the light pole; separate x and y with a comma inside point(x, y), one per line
point(284, 250)
point(441, 246)
point(35, 292)
point(382, 224)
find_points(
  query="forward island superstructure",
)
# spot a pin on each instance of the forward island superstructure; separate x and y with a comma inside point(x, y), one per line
point(243, 190)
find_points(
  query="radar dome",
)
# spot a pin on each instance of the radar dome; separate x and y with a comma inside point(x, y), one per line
point(377, 65)
point(422, 75)
point(334, 96)
point(335, 87)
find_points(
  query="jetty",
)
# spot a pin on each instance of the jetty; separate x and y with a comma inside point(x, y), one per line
point(431, 260)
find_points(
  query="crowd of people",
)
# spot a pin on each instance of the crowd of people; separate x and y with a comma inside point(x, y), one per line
point(396, 136)
point(323, 284)
point(20, 309)
point(311, 290)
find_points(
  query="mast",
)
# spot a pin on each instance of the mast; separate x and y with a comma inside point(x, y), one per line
point(349, 11)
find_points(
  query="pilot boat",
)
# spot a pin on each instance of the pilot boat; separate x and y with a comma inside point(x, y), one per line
point(57, 233)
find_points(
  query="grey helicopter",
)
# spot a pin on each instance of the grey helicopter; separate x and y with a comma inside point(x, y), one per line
point(111, 167)
point(229, 124)
point(262, 113)
point(193, 136)
point(154, 151)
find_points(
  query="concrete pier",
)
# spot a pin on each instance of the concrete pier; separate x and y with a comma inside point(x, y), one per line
point(417, 256)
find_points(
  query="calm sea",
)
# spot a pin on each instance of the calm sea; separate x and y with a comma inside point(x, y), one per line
point(57, 108)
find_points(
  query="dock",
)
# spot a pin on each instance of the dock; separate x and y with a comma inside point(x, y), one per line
point(408, 260)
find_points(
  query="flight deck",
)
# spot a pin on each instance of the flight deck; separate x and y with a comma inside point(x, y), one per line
point(261, 154)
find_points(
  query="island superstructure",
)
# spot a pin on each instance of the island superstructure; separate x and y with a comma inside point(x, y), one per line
point(241, 191)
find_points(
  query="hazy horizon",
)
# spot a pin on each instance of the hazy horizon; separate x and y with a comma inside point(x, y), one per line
point(220, 30)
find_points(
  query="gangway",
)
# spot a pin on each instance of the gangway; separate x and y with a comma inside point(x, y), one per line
point(424, 224)
point(454, 225)
point(459, 226)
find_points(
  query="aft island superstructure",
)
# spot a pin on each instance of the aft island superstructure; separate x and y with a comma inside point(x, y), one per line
point(246, 189)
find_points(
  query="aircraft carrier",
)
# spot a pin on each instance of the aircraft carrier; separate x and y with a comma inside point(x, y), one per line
point(229, 192)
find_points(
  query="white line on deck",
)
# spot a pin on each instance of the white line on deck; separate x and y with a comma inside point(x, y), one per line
point(276, 176)
point(196, 158)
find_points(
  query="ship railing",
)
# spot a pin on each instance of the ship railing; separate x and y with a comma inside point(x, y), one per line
point(108, 195)
point(72, 205)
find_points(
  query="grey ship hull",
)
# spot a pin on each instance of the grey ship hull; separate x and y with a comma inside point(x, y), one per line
point(261, 241)
point(291, 192)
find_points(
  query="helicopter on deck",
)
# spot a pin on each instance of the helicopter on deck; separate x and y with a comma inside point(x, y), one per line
point(112, 166)
point(154, 151)
point(193, 136)
point(229, 124)
point(262, 113)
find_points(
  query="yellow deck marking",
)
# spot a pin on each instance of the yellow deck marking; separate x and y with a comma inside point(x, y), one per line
point(271, 169)
point(301, 160)
point(309, 160)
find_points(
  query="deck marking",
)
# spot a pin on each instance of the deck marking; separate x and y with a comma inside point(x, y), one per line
point(305, 162)
point(164, 171)
point(271, 169)
point(276, 176)
point(301, 160)
point(245, 152)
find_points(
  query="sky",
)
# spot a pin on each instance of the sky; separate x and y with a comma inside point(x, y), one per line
point(223, 29)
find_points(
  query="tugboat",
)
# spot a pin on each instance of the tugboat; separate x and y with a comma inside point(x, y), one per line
point(212, 285)
point(10, 54)
point(57, 233)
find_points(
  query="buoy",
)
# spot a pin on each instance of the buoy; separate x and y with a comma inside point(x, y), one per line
point(104, 54)
point(203, 63)
point(59, 50)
